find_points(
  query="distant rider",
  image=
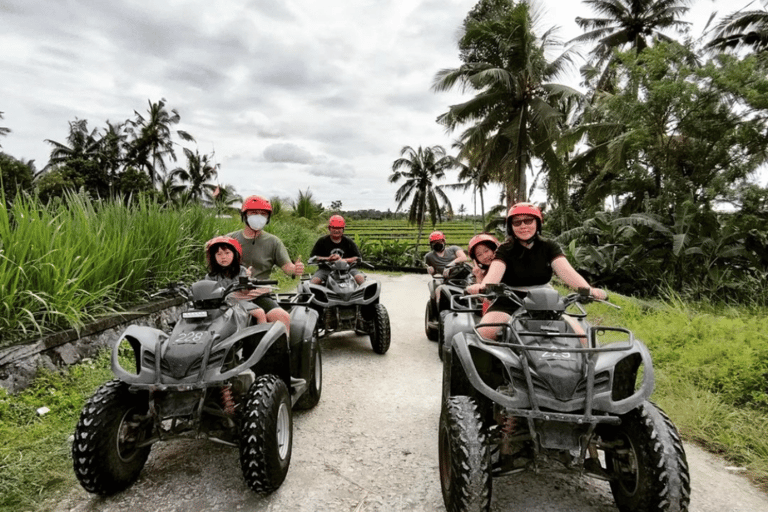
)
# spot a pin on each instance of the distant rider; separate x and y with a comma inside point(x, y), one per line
point(223, 254)
point(440, 257)
point(261, 252)
point(333, 247)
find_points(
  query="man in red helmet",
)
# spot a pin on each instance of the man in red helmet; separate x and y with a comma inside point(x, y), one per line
point(438, 258)
point(336, 246)
point(261, 252)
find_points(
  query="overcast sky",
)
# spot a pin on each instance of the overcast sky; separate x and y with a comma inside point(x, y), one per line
point(290, 94)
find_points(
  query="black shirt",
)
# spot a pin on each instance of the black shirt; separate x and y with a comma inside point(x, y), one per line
point(346, 248)
point(528, 267)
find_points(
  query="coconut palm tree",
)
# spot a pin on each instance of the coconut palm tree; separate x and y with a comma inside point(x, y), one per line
point(471, 175)
point(626, 24)
point(422, 167)
point(199, 171)
point(742, 29)
point(81, 144)
point(223, 197)
point(514, 118)
point(152, 141)
point(3, 130)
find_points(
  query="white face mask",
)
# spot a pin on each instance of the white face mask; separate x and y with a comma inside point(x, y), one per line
point(257, 222)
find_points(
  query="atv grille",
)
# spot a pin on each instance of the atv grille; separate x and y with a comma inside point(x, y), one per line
point(602, 383)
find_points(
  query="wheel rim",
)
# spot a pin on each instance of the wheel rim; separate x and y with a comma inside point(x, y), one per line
point(128, 437)
point(283, 431)
point(625, 466)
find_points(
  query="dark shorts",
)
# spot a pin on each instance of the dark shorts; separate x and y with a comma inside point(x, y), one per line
point(266, 303)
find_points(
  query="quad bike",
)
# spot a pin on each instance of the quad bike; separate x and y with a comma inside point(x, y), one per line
point(552, 388)
point(215, 376)
point(344, 305)
point(459, 277)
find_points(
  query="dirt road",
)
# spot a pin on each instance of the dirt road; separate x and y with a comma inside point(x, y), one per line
point(371, 445)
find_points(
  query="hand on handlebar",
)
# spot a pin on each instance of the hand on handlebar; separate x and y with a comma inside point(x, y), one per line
point(475, 289)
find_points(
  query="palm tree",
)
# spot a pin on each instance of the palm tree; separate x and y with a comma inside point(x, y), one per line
point(742, 29)
point(471, 175)
point(3, 130)
point(223, 197)
point(81, 144)
point(515, 116)
point(153, 139)
point(200, 170)
point(627, 24)
point(422, 167)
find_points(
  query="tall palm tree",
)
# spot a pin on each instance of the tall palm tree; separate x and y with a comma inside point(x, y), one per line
point(152, 141)
point(627, 24)
point(223, 197)
point(422, 167)
point(199, 171)
point(472, 174)
point(3, 130)
point(81, 144)
point(742, 29)
point(515, 116)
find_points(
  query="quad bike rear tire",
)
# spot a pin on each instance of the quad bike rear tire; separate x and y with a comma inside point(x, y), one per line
point(311, 396)
point(266, 434)
point(464, 457)
point(381, 333)
point(106, 454)
point(429, 317)
point(650, 470)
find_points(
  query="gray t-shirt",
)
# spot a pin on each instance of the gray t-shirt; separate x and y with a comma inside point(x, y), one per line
point(439, 262)
point(262, 253)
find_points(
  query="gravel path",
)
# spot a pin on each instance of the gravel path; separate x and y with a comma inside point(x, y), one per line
point(371, 445)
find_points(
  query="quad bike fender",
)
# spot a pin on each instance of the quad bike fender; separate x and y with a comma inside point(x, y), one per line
point(303, 322)
point(366, 293)
point(454, 322)
point(614, 398)
point(259, 342)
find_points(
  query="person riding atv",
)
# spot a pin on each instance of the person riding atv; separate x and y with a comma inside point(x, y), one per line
point(333, 247)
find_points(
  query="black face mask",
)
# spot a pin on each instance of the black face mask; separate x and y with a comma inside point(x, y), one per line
point(438, 247)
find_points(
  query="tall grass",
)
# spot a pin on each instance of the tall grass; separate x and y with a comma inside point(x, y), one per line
point(65, 263)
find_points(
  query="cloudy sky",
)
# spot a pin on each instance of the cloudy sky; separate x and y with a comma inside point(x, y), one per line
point(289, 95)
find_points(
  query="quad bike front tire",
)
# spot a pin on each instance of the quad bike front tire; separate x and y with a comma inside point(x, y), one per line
point(266, 434)
point(429, 317)
point(106, 452)
point(464, 457)
point(311, 396)
point(441, 333)
point(649, 469)
point(381, 333)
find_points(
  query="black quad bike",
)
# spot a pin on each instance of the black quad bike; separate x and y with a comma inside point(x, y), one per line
point(216, 376)
point(552, 391)
point(344, 305)
point(459, 277)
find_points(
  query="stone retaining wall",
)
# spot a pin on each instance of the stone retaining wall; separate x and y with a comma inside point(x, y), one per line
point(19, 363)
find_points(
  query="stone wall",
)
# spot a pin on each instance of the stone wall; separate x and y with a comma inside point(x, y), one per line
point(19, 363)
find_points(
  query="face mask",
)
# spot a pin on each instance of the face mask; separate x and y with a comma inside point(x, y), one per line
point(438, 247)
point(257, 222)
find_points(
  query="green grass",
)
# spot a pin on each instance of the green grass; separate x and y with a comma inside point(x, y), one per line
point(64, 264)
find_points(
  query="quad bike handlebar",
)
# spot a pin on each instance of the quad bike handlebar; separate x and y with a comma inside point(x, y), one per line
point(244, 283)
point(315, 260)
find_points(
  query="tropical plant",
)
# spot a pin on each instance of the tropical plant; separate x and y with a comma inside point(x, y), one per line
point(471, 175)
point(3, 130)
point(626, 24)
point(422, 167)
point(742, 29)
point(81, 144)
point(223, 197)
point(199, 171)
point(515, 116)
point(305, 207)
point(152, 142)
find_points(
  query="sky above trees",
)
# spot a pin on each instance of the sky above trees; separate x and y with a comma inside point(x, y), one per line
point(288, 94)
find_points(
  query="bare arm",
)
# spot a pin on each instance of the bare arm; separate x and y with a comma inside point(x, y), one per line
point(494, 275)
point(568, 274)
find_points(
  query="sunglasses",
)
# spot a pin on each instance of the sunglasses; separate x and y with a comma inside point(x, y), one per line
point(519, 222)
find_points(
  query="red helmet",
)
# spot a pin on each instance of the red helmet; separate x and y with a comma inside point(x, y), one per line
point(482, 238)
point(523, 209)
point(255, 203)
point(233, 244)
point(336, 221)
point(435, 236)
